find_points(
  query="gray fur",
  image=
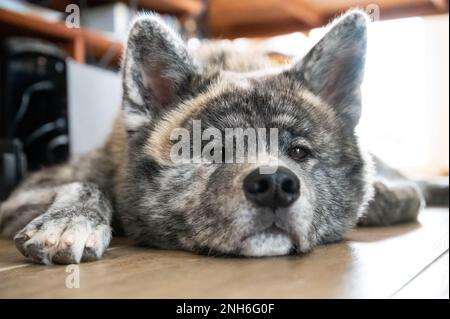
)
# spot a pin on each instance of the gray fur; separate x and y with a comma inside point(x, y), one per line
point(202, 207)
point(155, 68)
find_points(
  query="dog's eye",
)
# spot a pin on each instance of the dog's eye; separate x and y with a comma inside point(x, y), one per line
point(298, 153)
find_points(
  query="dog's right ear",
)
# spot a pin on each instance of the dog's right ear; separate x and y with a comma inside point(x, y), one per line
point(156, 69)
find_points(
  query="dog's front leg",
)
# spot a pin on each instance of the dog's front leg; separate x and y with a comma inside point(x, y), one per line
point(75, 227)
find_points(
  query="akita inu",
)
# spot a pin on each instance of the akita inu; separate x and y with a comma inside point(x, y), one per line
point(322, 186)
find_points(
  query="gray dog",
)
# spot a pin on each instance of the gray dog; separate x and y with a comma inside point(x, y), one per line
point(323, 185)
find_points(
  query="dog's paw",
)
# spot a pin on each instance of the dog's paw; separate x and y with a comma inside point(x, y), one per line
point(64, 237)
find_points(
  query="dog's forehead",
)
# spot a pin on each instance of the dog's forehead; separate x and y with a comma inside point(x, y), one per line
point(261, 99)
point(243, 100)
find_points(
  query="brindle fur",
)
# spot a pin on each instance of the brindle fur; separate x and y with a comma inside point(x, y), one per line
point(63, 214)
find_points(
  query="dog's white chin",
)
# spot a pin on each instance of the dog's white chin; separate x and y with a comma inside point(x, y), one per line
point(267, 243)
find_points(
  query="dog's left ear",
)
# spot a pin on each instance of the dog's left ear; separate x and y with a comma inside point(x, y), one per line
point(156, 70)
point(333, 69)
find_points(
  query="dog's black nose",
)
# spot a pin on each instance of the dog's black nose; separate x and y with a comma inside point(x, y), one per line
point(279, 189)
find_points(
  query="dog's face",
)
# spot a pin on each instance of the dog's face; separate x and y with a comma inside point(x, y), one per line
point(310, 191)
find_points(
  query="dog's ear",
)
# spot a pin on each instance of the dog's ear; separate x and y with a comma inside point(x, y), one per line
point(156, 70)
point(333, 69)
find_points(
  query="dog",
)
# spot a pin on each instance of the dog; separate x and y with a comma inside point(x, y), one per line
point(323, 182)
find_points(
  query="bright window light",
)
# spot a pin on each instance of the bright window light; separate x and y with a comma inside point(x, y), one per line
point(395, 121)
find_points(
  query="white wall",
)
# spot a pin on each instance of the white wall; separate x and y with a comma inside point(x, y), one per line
point(437, 79)
point(94, 97)
point(405, 94)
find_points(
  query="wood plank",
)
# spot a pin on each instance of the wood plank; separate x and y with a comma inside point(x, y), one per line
point(99, 46)
point(336, 6)
point(304, 12)
point(371, 263)
point(224, 13)
point(9, 256)
point(73, 40)
point(260, 29)
point(233, 19)
point(35, 26)
point(441, 5)
point(177, 7)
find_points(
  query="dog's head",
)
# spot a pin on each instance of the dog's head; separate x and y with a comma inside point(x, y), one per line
point(310, 191)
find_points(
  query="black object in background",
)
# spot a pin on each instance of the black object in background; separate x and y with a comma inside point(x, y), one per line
point(12, 165)
point(33, 105)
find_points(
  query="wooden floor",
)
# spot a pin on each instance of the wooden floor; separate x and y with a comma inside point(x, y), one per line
point(406, 261)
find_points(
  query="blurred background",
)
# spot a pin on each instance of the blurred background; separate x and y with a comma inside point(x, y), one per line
point(60, 87)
